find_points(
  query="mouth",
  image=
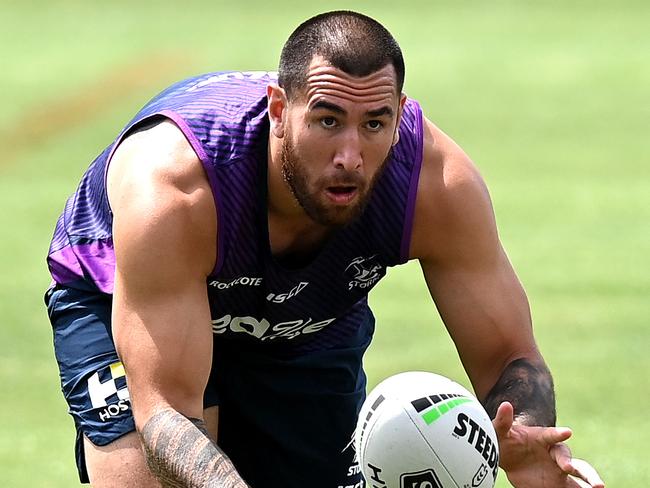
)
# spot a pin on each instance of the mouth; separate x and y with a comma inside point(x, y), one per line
point(341, 194)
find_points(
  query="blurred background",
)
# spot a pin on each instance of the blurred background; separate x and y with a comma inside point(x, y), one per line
point(550, 99)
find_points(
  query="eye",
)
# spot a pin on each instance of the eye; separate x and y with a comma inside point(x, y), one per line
point(328, 122)
point(375, 125)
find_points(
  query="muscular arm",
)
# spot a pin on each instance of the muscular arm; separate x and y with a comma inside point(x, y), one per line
point(478, 295)
point(164, 232)
point(180, 453)
point(528, 386)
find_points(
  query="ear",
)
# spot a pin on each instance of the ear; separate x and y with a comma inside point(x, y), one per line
point(400, 110)
point(277, 105)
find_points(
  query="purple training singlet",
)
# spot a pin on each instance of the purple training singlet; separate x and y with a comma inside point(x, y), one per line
point(254, 299)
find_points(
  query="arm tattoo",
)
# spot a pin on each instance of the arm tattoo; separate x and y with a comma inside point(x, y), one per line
point(180, 453)
point(529, 388)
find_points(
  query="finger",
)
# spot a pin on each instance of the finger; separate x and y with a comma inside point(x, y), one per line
point(555, 435)
point(574, 482)
point(503, 420)
point(561, 454)
point(581, 469)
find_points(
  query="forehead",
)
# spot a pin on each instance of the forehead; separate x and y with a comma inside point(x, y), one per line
point(327, 83)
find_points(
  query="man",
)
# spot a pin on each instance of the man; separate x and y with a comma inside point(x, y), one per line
point(226, 253)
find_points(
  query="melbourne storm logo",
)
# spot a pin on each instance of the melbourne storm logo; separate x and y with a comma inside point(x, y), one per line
point(365, 272)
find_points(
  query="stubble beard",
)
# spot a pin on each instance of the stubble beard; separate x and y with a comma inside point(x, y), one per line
point(294, 174)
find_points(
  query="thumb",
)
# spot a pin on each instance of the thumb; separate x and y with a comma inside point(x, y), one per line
point(504, 419)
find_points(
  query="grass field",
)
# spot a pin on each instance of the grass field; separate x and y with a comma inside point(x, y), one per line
point(550, 99)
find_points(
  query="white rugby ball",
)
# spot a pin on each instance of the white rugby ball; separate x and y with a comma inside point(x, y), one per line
point(423, 430)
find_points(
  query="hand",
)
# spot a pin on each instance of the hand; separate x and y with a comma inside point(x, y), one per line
point(536, 457)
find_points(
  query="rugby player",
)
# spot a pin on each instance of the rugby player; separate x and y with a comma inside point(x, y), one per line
point(218, 255)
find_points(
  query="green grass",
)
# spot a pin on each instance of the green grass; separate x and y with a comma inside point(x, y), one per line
point(550, 99)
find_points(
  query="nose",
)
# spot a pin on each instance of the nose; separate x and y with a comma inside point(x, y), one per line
point(348, 155)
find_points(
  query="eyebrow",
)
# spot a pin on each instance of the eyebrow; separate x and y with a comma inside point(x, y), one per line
point(322, 104)
point(386, 110)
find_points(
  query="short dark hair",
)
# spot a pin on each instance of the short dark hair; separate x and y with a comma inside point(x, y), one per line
point(352, 42)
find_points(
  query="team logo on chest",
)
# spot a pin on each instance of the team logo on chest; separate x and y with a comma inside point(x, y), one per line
point(364, 271)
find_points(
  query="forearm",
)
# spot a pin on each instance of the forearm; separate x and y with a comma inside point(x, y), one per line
point(528, 386)
point(180, 453)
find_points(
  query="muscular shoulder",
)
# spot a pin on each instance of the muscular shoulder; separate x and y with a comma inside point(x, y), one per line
point(453, 209)
point(160, 196)
point(154, 154)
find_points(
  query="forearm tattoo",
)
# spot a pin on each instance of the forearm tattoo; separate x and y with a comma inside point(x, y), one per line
point(529, 388)
point(180, 453)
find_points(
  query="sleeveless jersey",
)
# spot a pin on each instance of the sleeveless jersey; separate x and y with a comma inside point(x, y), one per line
point(254, 300)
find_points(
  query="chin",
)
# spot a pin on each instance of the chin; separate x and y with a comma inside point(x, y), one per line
point(336, 218)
